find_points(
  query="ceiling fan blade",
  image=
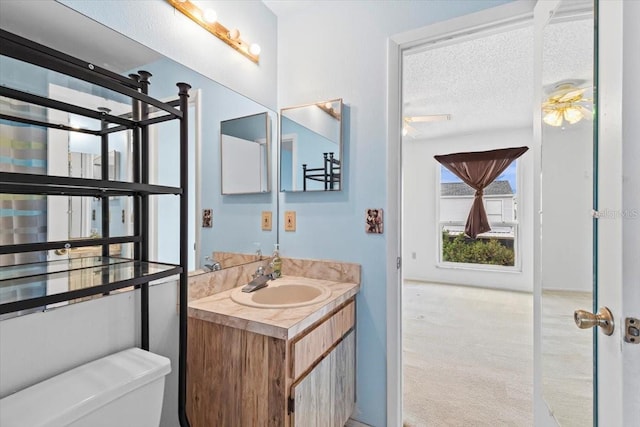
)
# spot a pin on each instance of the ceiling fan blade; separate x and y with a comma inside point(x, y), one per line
point(588, 114)
point(549, 104)
point(427, 118)
point(572, 95)
point(411, 131)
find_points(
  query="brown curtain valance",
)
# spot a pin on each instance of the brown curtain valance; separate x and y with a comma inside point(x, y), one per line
point(479, 169)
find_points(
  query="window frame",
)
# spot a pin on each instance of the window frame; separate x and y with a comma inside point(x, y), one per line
point(440, 224)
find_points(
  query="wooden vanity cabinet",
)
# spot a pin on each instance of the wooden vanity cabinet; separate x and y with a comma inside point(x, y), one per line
point(241, 378)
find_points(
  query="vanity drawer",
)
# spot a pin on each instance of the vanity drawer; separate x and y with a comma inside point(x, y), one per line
point(312, 346)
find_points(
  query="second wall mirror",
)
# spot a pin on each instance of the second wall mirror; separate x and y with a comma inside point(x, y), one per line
point(244, 150)
point(311, 147)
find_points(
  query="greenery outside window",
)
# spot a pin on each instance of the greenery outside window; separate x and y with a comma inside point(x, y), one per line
point(497, 248)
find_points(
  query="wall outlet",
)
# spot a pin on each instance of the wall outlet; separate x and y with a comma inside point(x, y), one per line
point(266, 220)
point(290, 221)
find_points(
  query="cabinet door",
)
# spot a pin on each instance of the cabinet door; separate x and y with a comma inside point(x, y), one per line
point(344, 379)
point(313, 395)
point(325, 397)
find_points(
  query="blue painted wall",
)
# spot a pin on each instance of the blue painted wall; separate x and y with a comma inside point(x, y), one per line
point(251, 128)
point(348, 59)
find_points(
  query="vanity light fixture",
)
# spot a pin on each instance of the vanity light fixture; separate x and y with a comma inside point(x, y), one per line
point(207, 19)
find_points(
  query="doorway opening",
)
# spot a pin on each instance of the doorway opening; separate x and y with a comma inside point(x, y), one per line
point(467, 304)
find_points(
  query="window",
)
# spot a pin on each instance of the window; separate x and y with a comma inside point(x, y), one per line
point(493, 208)
point(497, 247)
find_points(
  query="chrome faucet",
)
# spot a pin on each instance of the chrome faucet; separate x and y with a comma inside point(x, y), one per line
point(213, 265)
point(259, 281)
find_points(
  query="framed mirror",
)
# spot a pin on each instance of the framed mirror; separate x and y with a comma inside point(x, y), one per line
point(244, 154)
point(311, 147)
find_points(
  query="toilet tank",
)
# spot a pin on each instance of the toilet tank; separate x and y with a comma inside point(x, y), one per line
point(122, 389)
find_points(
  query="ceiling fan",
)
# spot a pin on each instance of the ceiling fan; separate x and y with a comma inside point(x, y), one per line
point(407, 129)
point(566, 102)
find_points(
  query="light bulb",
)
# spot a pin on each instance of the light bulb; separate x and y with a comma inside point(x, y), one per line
point(234, 34)
point(405, 131)
point(553, 118)
point(210, 16)
point(327, 105)
point(254, 49)
point(573, 115)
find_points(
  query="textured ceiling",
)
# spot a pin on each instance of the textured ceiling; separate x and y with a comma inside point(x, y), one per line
point(487, 83)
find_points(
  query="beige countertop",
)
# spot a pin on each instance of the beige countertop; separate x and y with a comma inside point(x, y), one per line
point(283, 323)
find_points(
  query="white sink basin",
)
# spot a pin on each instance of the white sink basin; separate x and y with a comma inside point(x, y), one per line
point(282, 295)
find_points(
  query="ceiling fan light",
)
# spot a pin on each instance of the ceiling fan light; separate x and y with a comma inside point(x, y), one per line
point(553, 118)
point(573, 115)
point(566, 104)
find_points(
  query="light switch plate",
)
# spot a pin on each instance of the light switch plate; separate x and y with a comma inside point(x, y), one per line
point(266, 220)
point(290, 221)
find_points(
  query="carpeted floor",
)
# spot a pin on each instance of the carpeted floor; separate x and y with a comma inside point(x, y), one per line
point(468, 356)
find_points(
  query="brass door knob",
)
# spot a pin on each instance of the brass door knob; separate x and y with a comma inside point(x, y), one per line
point(603, 318)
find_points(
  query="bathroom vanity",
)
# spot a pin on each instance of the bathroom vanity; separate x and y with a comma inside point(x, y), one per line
point(289, 365)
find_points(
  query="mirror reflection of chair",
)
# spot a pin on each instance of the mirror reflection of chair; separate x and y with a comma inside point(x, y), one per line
point(308, 132)
point(329, 174)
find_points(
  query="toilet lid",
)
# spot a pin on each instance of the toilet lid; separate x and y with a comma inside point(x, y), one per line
point(62, 399)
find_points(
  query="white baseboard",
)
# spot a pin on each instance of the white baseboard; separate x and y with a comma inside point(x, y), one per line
point(353, 423)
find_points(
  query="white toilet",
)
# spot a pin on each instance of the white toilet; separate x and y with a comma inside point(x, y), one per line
point(123, 389)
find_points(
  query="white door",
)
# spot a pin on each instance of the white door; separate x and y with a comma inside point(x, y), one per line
point(578, 373)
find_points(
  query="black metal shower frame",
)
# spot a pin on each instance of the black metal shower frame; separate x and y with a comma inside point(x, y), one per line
point(135, 86)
